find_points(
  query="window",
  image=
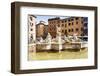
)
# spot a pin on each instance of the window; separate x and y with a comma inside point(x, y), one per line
point(68, 19)
point(31, 29)
point(81, 29)
point(82, 34)
point(85, 19)
point(31, 24)
point(69, 24)
point(85, 25)
point(72, 19)
point(62, 25)
point(62, 31)
point(72, 23)
point(77, 29)
point(69, 30)
point(65, 25)
point(77, 18)
point(65, 31)
point(76, 22)
point(31, 18)
point(82, 22)
point(72, 30)
point(31, 37)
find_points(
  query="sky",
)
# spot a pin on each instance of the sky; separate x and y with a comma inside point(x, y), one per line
point(45, 18)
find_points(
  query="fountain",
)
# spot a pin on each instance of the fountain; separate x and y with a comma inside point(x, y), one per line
point(60, 43)
point(49, 41)
point(41, 40)
point(59, 38)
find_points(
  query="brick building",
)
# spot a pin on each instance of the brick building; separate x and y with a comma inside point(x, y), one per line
point(41, 29)
point(52, 25)
point(69, 26)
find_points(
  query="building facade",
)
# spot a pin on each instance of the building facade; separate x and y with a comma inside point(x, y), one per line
point(69, 26)
point(52, 26)
point(75, 26)
point(31, 28)
point(41, 30)
point(85, 22)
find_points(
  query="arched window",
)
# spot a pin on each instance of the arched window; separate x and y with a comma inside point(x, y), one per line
point(31, 18)
point(31, 38)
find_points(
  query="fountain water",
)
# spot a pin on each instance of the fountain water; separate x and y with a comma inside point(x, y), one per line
point(60, 43)
point(41, 40)
point(49, 41)
point(59, 38)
